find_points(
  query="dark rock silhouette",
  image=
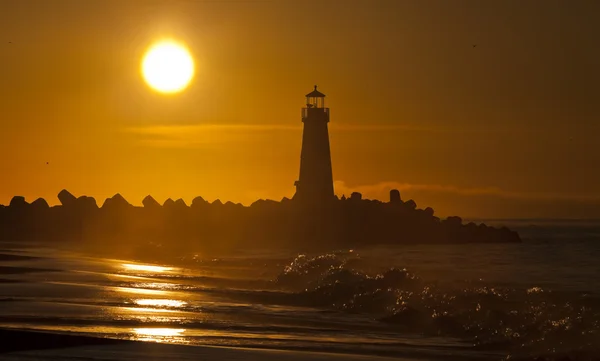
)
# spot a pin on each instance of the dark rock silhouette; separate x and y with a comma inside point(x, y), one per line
point(86, 203)
point(291, 224)
point(453, 220)
point(116, 202)
point(18, 202)
point(395, 196)
point(150, 202)
point(355, 196)
point(429, 211)
point(198, 202)
point(66, 198)
point(40, 204)
point(410, 204)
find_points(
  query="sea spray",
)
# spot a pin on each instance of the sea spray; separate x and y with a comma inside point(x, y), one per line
point(530, 321)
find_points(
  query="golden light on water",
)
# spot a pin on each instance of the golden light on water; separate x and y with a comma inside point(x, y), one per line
point(160, 303)
point(145, 268)
point(162, 334)
point(168, 67)
point(140, 310)
point(159, 331)
point(141, 291)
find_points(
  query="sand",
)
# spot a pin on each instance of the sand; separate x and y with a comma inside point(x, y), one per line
point(33, 346)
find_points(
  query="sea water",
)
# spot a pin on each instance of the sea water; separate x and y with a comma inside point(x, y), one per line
point(468, 301)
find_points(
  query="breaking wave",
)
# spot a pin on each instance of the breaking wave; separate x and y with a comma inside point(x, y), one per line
point(523, 321)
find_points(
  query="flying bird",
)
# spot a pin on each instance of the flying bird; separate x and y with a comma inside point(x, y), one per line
point(474, 45)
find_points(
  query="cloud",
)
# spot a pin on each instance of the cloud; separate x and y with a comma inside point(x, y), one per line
point(191, 136)
point(433, 128)
point(198, 135)
point(176, 130)
point(348, 127)
point(198, 128)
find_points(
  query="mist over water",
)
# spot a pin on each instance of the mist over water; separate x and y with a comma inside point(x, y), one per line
point(479, 301)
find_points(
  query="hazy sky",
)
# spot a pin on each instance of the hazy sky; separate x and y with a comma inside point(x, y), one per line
point(507, 129)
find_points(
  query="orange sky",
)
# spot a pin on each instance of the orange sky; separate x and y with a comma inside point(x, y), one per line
point(507, 129)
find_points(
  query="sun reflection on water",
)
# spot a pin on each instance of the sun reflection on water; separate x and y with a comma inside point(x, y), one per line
point(162, 334)
point(157, 285)
point(141, 291)
point(159, 331)
point(160, 303)
point(148, 315)
point(146, 268)
point(146, 309)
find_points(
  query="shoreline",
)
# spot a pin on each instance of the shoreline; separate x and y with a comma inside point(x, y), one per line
point(217, 227)
point(15, 340)
point(32, 344)
point(19, 344)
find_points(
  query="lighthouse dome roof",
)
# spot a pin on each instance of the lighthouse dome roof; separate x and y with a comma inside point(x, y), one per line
point(315, 94)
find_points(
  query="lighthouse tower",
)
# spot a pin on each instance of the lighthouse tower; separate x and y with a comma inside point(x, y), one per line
point(316, 177)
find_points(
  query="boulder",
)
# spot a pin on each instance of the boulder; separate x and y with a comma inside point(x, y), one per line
point(117, 201)
point(355, 196)
point(257, 203)
point(198, 202)
point(66, 198)
point(118, 198)
point(395, 196)
point(410, 204)
point(453, 220)
point(150, 202)
point(180, 203)
point(18, 202)
point(231, 205)
point(87, 203)
point(472, 229)
point(509, 236)
point(40, 204)
point(429, 211)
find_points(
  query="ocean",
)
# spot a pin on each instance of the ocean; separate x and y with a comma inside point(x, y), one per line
point(454, 302)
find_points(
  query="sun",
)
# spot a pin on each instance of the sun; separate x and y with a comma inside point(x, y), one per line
point(168, 67)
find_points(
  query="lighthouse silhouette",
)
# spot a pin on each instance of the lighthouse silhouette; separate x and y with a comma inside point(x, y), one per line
point(315, 183)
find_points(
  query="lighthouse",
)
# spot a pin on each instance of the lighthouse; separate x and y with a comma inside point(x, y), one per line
point(315, 183)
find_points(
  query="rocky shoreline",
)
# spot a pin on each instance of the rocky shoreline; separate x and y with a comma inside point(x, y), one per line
point(351, 222)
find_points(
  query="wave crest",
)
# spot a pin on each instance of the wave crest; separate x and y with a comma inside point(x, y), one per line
point(529, 321)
